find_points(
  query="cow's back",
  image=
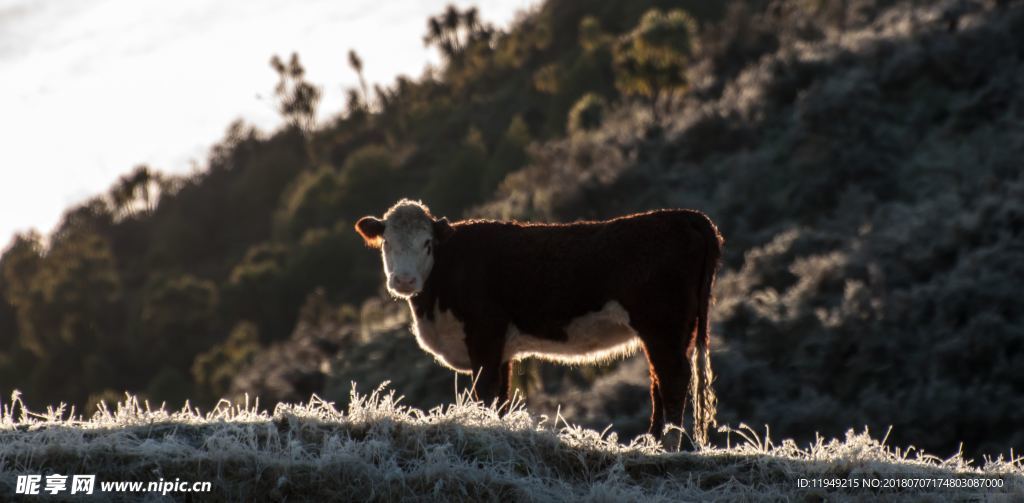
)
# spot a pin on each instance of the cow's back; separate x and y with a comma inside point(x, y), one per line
point(542, 276)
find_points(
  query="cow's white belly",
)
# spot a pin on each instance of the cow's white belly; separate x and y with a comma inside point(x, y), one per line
point(594, 337)
point(445, 338)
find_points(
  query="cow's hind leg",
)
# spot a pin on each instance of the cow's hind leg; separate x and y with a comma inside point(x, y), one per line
point(667, 336)
point(671, 368)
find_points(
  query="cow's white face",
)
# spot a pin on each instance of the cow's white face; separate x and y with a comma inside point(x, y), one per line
point(408, 258)
point(406, 236)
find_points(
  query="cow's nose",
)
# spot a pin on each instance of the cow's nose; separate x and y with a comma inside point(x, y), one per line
point(405, 283)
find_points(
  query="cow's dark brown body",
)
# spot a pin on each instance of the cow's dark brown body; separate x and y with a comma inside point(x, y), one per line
point(536, 279)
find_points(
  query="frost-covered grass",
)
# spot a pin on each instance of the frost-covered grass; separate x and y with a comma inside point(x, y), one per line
point(378, 449)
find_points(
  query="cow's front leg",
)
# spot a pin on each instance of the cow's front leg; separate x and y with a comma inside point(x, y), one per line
point(492, 384)
point(486, 345)
point(504, 385)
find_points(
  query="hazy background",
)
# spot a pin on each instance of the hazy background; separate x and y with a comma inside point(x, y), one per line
point(91, 88)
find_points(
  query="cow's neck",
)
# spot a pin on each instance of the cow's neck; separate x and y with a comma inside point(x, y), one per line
point(423, 303)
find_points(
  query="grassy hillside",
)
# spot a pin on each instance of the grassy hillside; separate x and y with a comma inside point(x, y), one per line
point(380, 450)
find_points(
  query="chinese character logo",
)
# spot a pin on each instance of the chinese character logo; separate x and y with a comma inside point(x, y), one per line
point(28, 484)
point(56, 483)
point(82, 484)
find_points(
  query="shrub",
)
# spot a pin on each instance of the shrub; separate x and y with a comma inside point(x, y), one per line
point(587, 114)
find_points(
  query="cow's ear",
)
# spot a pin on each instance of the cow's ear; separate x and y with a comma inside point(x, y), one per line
point(371, 229)
point(442, 229)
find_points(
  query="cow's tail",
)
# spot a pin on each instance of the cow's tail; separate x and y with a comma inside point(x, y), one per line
point(701, 377)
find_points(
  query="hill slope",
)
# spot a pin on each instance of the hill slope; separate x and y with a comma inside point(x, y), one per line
point(865, 170)
point(379, 450)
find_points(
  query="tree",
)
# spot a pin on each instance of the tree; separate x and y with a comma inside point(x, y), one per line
point(214, 369)
point(65, 295)
point(18, 269)
point(547, 79)
point(650, 60)
point(136, 192)
point(591, 36)
point(447, 190)
point(356, 63)
point(67, 302)
point(255, 291)
point(369, 180)
point(179, 317)
point(313, 200)
point(453, 32)
point(297, 99)
point(509, 155)
point(355, 106)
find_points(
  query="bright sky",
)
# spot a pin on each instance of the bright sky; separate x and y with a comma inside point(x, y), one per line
point(91, 88)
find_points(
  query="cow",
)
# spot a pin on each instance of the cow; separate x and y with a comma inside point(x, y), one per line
point(486, 293)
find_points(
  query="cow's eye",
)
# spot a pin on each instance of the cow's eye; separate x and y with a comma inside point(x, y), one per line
point(426, 245)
